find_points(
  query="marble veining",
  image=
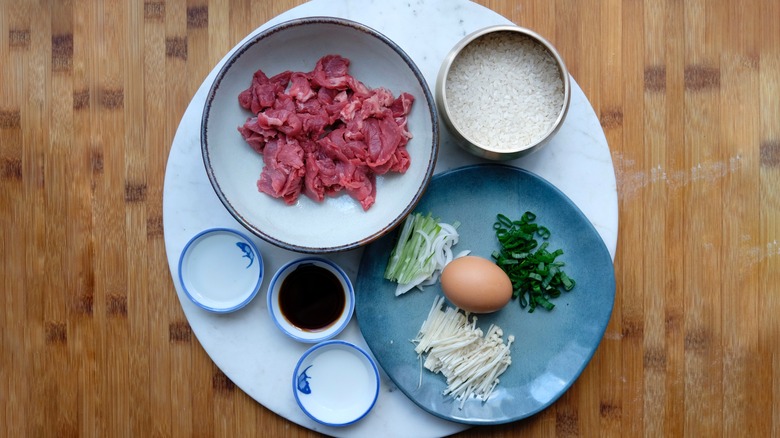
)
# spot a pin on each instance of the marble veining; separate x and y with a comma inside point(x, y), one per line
point(246, 345)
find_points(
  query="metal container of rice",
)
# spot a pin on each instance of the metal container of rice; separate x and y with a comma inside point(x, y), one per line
point(503, 92)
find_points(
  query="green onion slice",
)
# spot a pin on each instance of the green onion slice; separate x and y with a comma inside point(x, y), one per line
point(536, 275)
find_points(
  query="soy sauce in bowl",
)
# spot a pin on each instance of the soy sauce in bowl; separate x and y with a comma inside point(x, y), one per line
point(311, 297)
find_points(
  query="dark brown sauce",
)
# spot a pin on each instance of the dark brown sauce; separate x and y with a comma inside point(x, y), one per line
point(311, 297)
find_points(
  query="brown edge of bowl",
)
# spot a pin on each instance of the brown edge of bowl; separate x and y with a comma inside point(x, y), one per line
point(433, 113)
point(462, 139)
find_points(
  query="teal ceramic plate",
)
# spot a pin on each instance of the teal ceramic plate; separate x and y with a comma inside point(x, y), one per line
point(551, 349)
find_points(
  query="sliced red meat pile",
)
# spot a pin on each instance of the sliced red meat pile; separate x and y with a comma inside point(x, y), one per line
point(324, 131)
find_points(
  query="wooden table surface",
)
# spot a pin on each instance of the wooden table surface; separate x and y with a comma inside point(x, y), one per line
point(94, 341)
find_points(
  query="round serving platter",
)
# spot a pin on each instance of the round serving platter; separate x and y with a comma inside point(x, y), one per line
point(246, 345)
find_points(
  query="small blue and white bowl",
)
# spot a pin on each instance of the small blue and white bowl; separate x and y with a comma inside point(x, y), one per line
point(295, 331)
point(221, 270)
point(336, 383)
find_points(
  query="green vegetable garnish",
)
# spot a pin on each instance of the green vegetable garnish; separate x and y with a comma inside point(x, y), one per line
point(536, 276)
point(423, 248)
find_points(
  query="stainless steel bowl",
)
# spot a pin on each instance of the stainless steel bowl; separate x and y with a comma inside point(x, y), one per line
point(475, 142)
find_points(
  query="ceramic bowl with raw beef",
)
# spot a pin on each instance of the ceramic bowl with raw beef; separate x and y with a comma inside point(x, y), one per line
point(319, 135)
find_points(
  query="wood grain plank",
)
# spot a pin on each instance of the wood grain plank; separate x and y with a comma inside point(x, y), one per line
point(175, 383)
point(57, 163)
point(113, 414)
point(610, 111)
point(675, 223)
point(219, 39)
point(176, 366)
point(770, 166)
point(703, 301)
point(59, 408)
point(775, 393)
point(12, 238)
point(654, 221)
point(200, 65)
point(26, 310)
point(769, 180)
point(628, 313)
point(173, 414)
point(201, 391)
point(136, 170)
point(240, 19)
point(81, 242)
point(739, 86)
point(84, 345)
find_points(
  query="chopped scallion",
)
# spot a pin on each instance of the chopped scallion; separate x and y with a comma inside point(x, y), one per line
point(535, 274)
point(423, 248)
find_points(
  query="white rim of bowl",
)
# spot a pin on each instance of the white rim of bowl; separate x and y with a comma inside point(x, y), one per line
point(334, 268)
point(259, 260)
point(326, 344)
point(432, 113)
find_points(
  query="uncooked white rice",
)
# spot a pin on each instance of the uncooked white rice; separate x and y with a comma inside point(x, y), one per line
point(504, 90)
